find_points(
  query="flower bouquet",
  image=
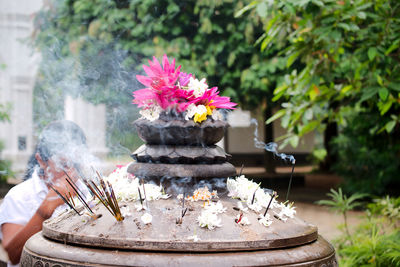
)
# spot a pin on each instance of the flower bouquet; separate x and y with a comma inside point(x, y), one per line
point(169, 90)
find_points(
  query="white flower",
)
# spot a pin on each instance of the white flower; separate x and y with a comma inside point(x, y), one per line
point(217, 115)
point(241, 188)
point(126, 187)
point(125, 212)
point(255, 206)
point(146, 218)
point(195, 238)
point(153, 192)
point(265, 220)
point(140, 207)
point(249, 191)
point(193, 110)
point(198, 87)
point(241, 207)
point(243, 221)
point(215, 207)
point(190, 111)
point(152, 113)
point(209, 220)
point(287, 211)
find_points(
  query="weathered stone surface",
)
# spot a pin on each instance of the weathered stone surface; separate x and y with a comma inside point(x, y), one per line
point(180, 154)
point(159, 170)
point(163, 234)
point(180, 132)
point(39, 251)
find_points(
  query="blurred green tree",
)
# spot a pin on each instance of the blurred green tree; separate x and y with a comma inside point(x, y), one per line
point(110, 39)
point(344, 81)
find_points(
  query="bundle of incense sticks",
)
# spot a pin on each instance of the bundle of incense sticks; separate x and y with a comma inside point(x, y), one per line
point(79, 194)
point(105, 193)
point(68, 197)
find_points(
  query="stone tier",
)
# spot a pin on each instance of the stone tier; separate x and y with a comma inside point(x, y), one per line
point(181, 154)
point(157, 171)
point(180, 132)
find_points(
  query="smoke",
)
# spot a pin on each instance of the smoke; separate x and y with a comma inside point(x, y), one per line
point(97, 73)
point(270, 147)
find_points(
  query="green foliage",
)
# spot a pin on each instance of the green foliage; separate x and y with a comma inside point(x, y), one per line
point(372, 247)
point(342, 60)
point(369, 163)
point(4, 112)
point(92, 48)
point(376, 240)
point(345, 58)
point(388, 207)
point(342, 204)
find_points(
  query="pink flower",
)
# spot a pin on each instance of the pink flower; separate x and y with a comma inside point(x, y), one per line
point(184, 78)
point(159, 77)
point(160, 82)
point(212, 99)
point(167, 88)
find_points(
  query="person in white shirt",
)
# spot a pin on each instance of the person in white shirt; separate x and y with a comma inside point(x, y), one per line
point(60, 149)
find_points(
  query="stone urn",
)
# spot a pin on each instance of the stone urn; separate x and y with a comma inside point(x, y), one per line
point(177, 149)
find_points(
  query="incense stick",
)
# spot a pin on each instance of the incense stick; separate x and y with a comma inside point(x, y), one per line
point(140, 197)
point(183, 205)
point(63, 198)
point(254, 196)
point(270, 201)
point(80, 197)
point(290, 183)
point(241, 170)
point(105, 193)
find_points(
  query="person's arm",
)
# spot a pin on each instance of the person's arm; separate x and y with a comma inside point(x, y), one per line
point(15, 235)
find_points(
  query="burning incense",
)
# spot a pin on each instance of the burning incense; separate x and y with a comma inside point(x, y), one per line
point(64, 199)
point(179, 220)
point(78, 192)
point(290, 182)
point(144, 192)
point(105, 193)
point(183, 205)
point(241, 170)
point(238, 220)
point(140, 197)
point(269, 204)
point(254, 196)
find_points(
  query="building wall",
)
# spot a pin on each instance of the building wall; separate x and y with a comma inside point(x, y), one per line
point(17, 81)
point(92, 119)
point(241, 135)
point(18, 78)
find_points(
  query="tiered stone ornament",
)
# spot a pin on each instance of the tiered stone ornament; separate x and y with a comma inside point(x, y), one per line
point(177, 149)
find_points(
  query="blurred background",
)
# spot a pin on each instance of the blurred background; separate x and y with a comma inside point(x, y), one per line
point(320, 77)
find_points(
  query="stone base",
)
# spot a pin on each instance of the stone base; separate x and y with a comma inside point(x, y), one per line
point(39, 251)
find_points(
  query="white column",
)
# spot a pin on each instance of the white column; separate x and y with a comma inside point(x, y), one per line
point(92, 119)
point(18, 78)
